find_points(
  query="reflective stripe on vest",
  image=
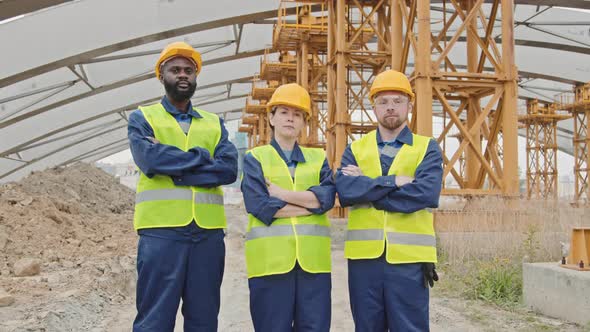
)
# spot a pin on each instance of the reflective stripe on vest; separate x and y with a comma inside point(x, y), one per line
point(177, 194)
point(159, 202)
point(364, 235)
point(163, 195)
point(287, 230)
point(409, 237)
point(392, 237)
point(276, 248)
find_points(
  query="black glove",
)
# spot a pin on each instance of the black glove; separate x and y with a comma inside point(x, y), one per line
point(430, 275)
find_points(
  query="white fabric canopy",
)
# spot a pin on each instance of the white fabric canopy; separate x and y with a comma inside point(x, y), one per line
point(72, 72)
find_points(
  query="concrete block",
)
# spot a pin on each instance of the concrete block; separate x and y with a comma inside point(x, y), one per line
point(557, 292)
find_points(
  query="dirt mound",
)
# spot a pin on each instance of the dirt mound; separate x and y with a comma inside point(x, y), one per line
point(80, 188)
point(77, 223)
point(60, 214)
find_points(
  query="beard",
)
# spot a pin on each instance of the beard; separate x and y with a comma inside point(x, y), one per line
point(173, 91)
point(392, 123)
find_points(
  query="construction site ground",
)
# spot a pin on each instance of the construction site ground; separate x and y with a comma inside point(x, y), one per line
point(76, 224)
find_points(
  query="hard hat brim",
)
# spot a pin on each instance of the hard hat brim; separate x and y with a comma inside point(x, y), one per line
point(376, 91)
point(269, 107)
point(193, 56)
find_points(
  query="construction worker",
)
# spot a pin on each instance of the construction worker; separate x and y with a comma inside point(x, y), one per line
point(287, 191)
point(390, 178)
point(184, 156)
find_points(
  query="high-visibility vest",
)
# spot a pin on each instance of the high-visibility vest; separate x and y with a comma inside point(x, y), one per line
point(407, 237)
point(161, 203)
point(276, 248)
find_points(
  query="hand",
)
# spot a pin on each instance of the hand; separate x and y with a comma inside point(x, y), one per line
point(430, 275)
point(275, 190)
point(400, 180)
point(352, 170)
point(152, 139)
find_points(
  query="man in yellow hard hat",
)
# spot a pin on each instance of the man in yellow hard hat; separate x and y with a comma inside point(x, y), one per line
point(390, 178)
point(287, 191)
point(184, 156)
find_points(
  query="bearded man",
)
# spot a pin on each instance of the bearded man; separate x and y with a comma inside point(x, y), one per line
point(390, 178)
point(184, 156)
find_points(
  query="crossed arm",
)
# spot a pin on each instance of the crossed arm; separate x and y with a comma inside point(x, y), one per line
point(298, 202)
point(392, 193)
point(267, 201)
point(195, 167)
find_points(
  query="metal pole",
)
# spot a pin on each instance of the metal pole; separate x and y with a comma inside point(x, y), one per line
point(509, 102)
point(341, 87)
point(473, 165)
point(423, 84)
point(397, 26)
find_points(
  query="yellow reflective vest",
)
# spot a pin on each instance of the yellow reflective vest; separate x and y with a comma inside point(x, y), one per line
point(407, 237)
point(161, 203)
point(276, 248)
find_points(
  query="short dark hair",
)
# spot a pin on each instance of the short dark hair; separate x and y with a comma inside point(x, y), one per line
point(273, 110)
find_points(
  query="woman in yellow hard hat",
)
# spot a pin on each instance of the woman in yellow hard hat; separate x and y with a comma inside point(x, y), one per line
point(287, 191)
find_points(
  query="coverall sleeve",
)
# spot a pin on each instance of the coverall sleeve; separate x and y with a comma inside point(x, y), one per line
point(158, 158)
point(423, 192)
point(223, 168)
point(325, 192)
point(360, 189)
point(257, 199)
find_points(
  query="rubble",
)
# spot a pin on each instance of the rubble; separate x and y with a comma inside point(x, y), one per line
point(5, 299)
point(27, 267)
point(53, 229)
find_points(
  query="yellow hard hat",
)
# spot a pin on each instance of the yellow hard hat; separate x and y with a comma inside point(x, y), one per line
point(179, 49)
point(293, 95)
point(391, 80)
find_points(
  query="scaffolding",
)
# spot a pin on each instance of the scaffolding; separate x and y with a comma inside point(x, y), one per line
point(541, 148)
point(475, 90)
point(578, 104)
point(352, 64)
point(283, 69)
point(357, 39)
point(256, 124)
point(307, 36)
